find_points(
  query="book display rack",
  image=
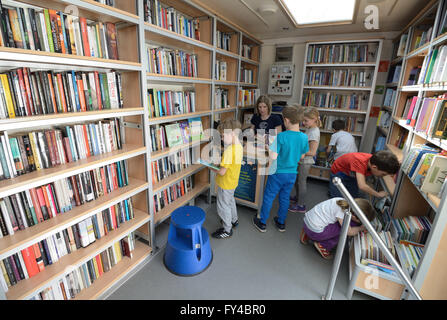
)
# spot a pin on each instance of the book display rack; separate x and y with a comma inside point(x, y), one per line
point(417, 113)
point(83, 118)
point(339, 78)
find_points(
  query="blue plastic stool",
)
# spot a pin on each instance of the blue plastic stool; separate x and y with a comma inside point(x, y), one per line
point(188, 251)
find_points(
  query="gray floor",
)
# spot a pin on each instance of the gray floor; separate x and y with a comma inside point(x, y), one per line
point(249, 265)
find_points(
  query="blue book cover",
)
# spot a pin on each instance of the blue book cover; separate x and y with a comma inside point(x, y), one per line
point(61, 14)
point(120, 180)
point(160, 107)
point(74, 154)
point(94, 138)
point(76, 93)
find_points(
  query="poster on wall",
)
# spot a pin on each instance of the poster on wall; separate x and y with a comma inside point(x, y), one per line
point(246, 189)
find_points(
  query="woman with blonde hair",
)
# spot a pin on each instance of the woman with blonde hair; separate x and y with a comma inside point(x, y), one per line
point(264, 119)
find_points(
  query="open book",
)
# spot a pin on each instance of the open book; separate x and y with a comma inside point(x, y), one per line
point(209, 165)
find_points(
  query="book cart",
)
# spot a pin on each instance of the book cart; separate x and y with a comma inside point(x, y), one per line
point(406, 198)
point(134, 34)
point(324, 88)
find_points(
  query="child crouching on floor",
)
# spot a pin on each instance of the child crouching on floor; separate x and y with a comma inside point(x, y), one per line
point(323, 223)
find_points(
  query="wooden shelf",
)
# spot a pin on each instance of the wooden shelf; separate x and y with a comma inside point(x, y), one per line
point(222, 110)
point(159, 186)
point(177, 117)
point(24, 238)
point(342, 110)
point(390, 184)
point(41, 177)
point(108, 279)
point(169, 78)
point(15, 57)
point(63, 118)
point(332, 65)
point(165, 213)
point(155, 155)
point(337, 88)
point(68, 263)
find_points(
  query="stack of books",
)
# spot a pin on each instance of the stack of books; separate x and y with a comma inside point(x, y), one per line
point(172, 193)
point(414, 229)
point(221, 98)
point(354, 101)
point(224, 40)
point(390, 97)
point(424, 38)
point(171, 19)
point(165, 103)
point(167, 166)
point(394, 74)
point(409, 254)
point(246, 51)
point(427, 168)
point(353, 124)
point(24, 153)
point(30, 207)
point(220, 71)
point(341, 53)
point(247, 76)
point(247, 97)
point(171, 62)
point(24, 93)
point(370, 250)
point(170, 135)
point(32, 260)
point(29, 27)
point(84, 276)
point(338, 78)
point(384, 120)
point(414, 76)
point(434, 69)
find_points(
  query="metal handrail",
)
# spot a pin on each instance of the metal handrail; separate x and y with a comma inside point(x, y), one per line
point(341, 244)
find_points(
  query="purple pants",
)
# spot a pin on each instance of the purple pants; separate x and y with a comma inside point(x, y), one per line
point(328, 238)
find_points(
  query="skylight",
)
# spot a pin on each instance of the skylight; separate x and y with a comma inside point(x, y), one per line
point(308, 12)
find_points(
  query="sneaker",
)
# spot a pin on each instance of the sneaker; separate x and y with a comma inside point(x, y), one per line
point(222, 234)
point(281, 227)
point(258, 224)
point(322, 250)
point(304, 239)
point(297, 208)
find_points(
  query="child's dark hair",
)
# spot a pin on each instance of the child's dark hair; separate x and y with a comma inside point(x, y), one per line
point(363, 204)
point(385, 161)
point(294, 113)
point(338, 125)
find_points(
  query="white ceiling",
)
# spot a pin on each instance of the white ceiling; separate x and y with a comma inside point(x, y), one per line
point(394, 15)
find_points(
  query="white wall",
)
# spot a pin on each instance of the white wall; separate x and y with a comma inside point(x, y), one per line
point(299, 50)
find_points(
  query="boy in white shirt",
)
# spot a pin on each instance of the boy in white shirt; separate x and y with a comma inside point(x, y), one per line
point(342, 141)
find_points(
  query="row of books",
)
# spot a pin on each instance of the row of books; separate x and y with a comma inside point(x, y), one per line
point(175, 134)
point(220, 70)
point(384, 119)
point(29, 27)
point(342, 53)
point(221, 98)
point(394, 74)
point(401, 138)
point(340, 77)
point(353, 124)
point(247, 97)
point(434, 67)
point(172, 193)
point(390, 97)
point(30, 261)
point(107, 2)
point(24, 153)
point(370, 250)
point(427, 168)
point(354, 101)
point(81, 278)
point(171, 19)
point(33, 206)
point(171, 62)
point(409, 254)
point(424, 37)
point(427, 115)
point(414, 229)
point(443, 22)
point(167, 166)
point(246, 51)
point(247, 76)
point(24, 93)
point(223, 40)
point(166, 103)
point(401, 48)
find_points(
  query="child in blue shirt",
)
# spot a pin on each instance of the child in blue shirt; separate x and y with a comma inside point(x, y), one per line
point(286, 151)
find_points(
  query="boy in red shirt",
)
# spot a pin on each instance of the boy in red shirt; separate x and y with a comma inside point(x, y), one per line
point(353, 168)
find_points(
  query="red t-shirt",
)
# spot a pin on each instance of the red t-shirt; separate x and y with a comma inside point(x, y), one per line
point(351, 163)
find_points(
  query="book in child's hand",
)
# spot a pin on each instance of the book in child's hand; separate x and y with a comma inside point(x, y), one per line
point(209, 165)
